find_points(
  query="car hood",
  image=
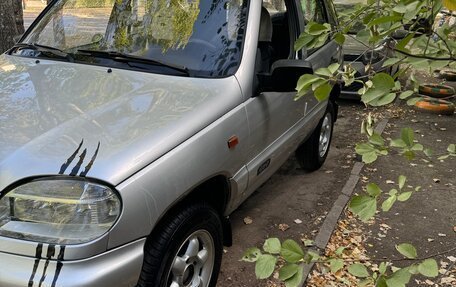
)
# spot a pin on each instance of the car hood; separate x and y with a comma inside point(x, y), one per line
point(75, 119)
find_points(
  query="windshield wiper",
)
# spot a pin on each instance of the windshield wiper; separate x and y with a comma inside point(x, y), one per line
point(121, 57)
point(45, 50)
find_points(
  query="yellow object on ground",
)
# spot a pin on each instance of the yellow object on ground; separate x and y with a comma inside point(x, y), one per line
point(450, 4)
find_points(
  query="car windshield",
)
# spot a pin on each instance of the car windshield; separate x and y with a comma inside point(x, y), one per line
point(203, 37)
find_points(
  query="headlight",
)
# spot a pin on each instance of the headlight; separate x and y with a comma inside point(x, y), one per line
point(58, 210)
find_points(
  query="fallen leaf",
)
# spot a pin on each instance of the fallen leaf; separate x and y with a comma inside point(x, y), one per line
point(308, 242)
point(298, 221)
point(452, 258)
point(283, 226)
point(448, 280)
point(248, 220)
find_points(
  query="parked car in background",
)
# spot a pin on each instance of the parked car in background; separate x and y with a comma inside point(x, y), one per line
point(130, 130)
point(359, 55)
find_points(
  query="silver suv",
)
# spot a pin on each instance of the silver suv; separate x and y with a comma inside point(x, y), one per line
point(131, 129)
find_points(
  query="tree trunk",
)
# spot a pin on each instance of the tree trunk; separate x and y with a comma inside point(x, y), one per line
point(8, 25)
point(19, 16)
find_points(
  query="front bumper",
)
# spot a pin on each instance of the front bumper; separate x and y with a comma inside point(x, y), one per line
point(117, 267)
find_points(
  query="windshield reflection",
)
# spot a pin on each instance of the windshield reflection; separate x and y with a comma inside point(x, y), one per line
point(203, 36)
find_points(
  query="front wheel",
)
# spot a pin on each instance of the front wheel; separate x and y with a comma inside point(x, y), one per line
point(312, 154)
point(185, 251)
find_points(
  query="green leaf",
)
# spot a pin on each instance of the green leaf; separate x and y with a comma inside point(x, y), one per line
point(251, 255)
point(405, 95)
point(340, 250)
point(383, 100)
point(413, 101)
point(323, 72)
point(383, 81)
point(322, 92)
point(406, 249)
point(404, 196)
point(387, 204)
point(296, 280)
point(402, 180)
point(339, 38)
point(402, 43)
point(398, 143)
point(308, 242)
point(413, 269)
point(317, 29)
point(288, 271)
point(336, 264)
point(312, 256)
point(417, 147)
point(364, 148)
point(303, 41)
point(358, 270)
point(407, 136)
point(409, 154)
point(373, 189)
point(381, 282)
point(382, 267)
point(272, 245)
point(391, 61)
point(376, 139)
point(291, 251)
point(418, 63)
point(333, 67)
point(306, 81)
point(369, 157)
point(428, 152)
point(443, 157)
point(399, 278)
point(392, 192)
point(451, 148)
point(384, 19)
point(429, 268)
point(382, 85)
point(363, 206)
point(264, 267)
point(438, 64)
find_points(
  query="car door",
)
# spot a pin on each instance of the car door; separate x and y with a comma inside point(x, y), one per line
point(273, 114)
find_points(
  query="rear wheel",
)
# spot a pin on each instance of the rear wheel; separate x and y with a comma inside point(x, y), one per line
point(312, 154)
point(185, 251)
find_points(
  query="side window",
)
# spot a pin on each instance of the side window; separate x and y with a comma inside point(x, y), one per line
point(313, 11)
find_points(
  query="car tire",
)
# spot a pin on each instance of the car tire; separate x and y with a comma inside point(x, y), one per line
point(186, 250)
point(312, 153)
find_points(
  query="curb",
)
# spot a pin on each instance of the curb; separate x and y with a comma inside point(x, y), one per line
point(330, 222)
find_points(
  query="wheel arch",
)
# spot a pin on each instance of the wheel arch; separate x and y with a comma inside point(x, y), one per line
point(333, 97)
point(214, 191)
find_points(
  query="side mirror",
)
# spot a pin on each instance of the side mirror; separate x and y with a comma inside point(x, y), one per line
point(284, 75)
